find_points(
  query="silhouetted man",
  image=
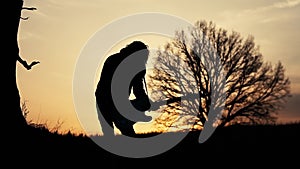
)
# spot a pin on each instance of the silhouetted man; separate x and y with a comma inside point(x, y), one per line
point(107, 109)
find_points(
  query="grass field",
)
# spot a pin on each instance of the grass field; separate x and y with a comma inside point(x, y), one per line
point(268, 145)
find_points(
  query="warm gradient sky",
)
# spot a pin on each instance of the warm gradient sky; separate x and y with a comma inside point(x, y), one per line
point(56, 33)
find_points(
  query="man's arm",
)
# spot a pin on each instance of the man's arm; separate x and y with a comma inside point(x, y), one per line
point(137, 85)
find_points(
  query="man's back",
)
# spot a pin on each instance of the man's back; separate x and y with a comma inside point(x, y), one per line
point(104, 85)
point(104, 98)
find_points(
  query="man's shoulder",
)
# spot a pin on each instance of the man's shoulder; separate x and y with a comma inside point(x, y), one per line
point(113, 58)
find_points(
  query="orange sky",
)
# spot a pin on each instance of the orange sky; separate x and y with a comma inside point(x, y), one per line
point(57, 32)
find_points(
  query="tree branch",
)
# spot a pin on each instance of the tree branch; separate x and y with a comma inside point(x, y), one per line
point(25, 64)
point(26, 18)
point(29, 8)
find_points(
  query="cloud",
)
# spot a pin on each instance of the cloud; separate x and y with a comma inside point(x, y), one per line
point(266, 12)
point(286, 4)
point(276, 5)
point(291, 112)
point(295, 79)
point(29, 35)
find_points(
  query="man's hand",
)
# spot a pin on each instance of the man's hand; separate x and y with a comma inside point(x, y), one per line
point(154, 106)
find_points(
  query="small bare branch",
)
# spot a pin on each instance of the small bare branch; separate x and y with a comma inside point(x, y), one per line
point(26, 18)
point(25, 64)
point(29, 8)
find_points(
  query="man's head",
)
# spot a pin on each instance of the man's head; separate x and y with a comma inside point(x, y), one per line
point(138, 49)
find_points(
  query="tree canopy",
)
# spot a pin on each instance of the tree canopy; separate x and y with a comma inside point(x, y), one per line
point(217, 70)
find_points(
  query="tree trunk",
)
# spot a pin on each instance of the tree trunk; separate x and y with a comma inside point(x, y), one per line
point(11, 116)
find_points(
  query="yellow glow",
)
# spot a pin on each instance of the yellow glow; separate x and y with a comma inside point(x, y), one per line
point(58, 30)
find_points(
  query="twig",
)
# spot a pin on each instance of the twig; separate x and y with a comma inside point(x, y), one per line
point(29, 8)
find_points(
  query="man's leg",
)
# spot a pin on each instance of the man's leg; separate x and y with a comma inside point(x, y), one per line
point(126, 127)
point(106, 122)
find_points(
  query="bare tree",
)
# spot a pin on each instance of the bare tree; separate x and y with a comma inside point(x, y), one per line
point(12, 116)
point(192, 64)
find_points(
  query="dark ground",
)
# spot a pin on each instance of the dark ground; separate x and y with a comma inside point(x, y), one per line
point(234, 147)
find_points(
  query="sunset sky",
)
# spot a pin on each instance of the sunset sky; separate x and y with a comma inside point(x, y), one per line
point(57, 31)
